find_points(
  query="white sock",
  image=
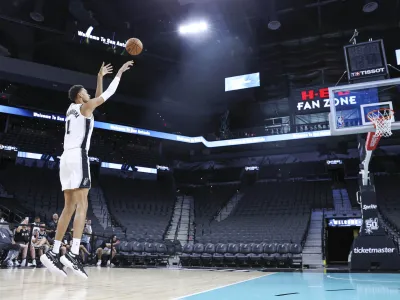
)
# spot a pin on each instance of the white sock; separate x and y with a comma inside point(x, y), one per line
point(75, 246)
point(56, 247)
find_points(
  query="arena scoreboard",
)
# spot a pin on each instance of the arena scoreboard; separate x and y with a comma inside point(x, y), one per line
point(366, 60)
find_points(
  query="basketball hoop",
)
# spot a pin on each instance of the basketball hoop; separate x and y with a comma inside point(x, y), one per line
point(382, 120)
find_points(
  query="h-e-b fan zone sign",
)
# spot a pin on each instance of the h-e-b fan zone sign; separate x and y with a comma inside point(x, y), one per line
point(317, 100)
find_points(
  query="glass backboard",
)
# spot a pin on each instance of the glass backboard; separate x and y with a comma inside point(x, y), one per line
point(350, 104)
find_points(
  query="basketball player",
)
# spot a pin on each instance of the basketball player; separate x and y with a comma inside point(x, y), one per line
point(75, 172)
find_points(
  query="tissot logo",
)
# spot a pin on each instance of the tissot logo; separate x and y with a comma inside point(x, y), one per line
point(368, 72)
point(363, 250)
point(368, 207)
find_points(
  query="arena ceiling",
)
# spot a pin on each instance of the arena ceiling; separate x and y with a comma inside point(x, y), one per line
point(182, 77)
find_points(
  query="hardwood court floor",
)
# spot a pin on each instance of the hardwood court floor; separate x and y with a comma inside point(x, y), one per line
point(114, 283)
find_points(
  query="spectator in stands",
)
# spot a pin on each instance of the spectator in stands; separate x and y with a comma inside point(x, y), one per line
point(51, 231)
point(66, 242)
point(87, 232)
point(36, 225)
point(7, 244)
point(105, 248)
point(40, 241)
point(22, 239)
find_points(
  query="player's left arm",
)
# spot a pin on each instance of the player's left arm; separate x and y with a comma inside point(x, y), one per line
point(88, 107)
point(104, 70)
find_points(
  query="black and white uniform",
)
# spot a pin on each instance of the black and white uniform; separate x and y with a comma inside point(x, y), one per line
point(74, 164)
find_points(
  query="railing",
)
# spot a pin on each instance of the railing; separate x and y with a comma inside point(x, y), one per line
point(178, 225)
point(304, 238)
point(323, 235)
point(388, 222)
point(224, 205)
point(107, 216)
point(18, 216)
point(194, 224)
point(388, 227)
point(191, 225)
point(277, 130)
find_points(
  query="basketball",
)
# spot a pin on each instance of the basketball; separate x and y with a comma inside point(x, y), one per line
point(134, 46)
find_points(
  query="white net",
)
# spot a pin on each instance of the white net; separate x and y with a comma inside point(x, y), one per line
point(382, 119)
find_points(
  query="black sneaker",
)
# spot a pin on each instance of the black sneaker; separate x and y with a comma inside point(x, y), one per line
point(74, 262)
point(51, 261)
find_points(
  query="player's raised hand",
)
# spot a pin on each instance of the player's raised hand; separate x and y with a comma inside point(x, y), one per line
point(105, 69)
point(126, 66)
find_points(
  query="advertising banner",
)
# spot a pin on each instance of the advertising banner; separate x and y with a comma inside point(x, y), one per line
point(316, 99)
point(373, 248)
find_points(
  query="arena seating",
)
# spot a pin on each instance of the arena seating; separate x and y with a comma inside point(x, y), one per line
point(208, 201)
point(269, 212)
point(38, 190)
point(241, 255)
point(144, 208)
point(388, 199)
point(142, 253)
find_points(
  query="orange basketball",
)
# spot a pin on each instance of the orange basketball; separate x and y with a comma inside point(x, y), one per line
point(134, 46)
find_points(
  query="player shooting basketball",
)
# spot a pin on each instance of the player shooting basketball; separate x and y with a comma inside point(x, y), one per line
point(75, 169)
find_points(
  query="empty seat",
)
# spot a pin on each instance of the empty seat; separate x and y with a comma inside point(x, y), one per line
point(243, 255)
point(185, 257)
point(218, 256)
point(198, 250)
point(230, 255)
point(207, 256)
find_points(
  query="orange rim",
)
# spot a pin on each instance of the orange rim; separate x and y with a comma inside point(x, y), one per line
point(389, 116)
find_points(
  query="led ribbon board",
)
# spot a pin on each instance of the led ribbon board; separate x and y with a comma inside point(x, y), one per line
point(168, 136)
point(106, 41)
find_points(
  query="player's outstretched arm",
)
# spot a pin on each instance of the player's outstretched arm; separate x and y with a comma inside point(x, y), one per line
point(88, 107)
point(104, 70)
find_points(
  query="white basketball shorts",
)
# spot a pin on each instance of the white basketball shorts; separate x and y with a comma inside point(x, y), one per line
point(75, 170)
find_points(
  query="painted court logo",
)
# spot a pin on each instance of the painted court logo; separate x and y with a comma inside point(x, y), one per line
point(363, 250)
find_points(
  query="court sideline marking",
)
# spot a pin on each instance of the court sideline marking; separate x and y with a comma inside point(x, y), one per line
point(223, 286)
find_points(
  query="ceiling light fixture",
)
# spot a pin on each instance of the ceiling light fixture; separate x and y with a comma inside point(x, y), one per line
point(370, 6)
point(37, 13)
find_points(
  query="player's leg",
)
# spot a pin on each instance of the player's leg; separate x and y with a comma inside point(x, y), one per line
point(80, 218)
point(50, 259)
point(99, 253)
point(72, 258)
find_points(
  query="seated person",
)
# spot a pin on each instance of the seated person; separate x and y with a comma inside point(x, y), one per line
point(8, 247)
point(87, 232)
point(22, 239)
point(39, 240)
point(51, 228)
point(105, 248)
point(66, 244)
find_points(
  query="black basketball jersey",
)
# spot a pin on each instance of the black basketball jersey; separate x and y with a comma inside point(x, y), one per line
point(22, 236)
